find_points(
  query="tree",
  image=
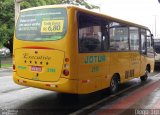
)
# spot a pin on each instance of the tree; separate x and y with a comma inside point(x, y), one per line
point(31, 3)
point(6, 21)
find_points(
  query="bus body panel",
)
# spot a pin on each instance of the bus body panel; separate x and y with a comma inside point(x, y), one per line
point(62, 85)
point(93, 64)
point(41, 63)
point(120, 64)
point(87, 72)
point(56, 49)
point(135, 63)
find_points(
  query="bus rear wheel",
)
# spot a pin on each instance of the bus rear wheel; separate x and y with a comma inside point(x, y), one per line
point(145, 76)
point(114, 84)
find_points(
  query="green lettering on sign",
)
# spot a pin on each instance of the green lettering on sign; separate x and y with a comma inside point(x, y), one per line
point(51, 70)
point(22, 67)
point(95, 69)
point(94, 59)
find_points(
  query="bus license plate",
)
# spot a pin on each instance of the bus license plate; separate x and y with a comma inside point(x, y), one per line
point(36, 68)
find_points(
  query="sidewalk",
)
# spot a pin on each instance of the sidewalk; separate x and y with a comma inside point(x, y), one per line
point(143, 101)
point(6, 68)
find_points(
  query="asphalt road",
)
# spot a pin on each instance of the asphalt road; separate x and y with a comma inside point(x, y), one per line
point(5, 72)
point(21, 100)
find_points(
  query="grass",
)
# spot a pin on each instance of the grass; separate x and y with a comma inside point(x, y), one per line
point(5, 62)
point(6, 65)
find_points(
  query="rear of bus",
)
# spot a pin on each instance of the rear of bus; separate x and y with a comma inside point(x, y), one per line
point(41, 56)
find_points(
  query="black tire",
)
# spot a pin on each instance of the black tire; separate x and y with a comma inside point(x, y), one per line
point(145, 76)
point(114, 85)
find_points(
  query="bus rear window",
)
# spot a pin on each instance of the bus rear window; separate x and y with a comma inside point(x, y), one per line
point(42, 24)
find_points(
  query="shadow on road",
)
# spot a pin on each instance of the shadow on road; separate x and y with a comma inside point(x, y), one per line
point(59, 103)
point(64, 104)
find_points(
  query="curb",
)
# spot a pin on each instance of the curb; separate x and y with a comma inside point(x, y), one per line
point(8, 68)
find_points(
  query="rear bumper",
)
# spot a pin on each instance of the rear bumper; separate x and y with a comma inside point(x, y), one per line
point(62, 85)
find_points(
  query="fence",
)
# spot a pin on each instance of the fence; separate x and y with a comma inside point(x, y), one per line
point(5, 62)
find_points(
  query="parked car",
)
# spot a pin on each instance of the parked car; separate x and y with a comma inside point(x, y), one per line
point(4, 52)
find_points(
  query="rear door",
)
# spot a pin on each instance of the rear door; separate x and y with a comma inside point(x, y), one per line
point(135, 53)
point(143, 50)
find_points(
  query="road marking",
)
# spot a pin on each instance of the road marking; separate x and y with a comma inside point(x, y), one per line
point(107, 98)
point(14, 89)
point(5, 76)
point(4, 69)
point(156, 75)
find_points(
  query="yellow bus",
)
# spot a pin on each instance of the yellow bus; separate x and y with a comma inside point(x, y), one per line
point(69, 49)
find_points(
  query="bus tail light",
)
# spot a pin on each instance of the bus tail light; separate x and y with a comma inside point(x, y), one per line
point(66, 59)
point(66, 72)
point(14, 67)
point(66, 67)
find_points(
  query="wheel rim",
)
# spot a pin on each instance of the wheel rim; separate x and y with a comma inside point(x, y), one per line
point(146, 74)
point(113, 84)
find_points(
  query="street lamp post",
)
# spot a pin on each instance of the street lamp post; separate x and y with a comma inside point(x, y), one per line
point(17, 10)
point(155, 24)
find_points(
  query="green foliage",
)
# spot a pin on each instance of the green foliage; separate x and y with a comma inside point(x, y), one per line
point(31, 3)
point(6, 20)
